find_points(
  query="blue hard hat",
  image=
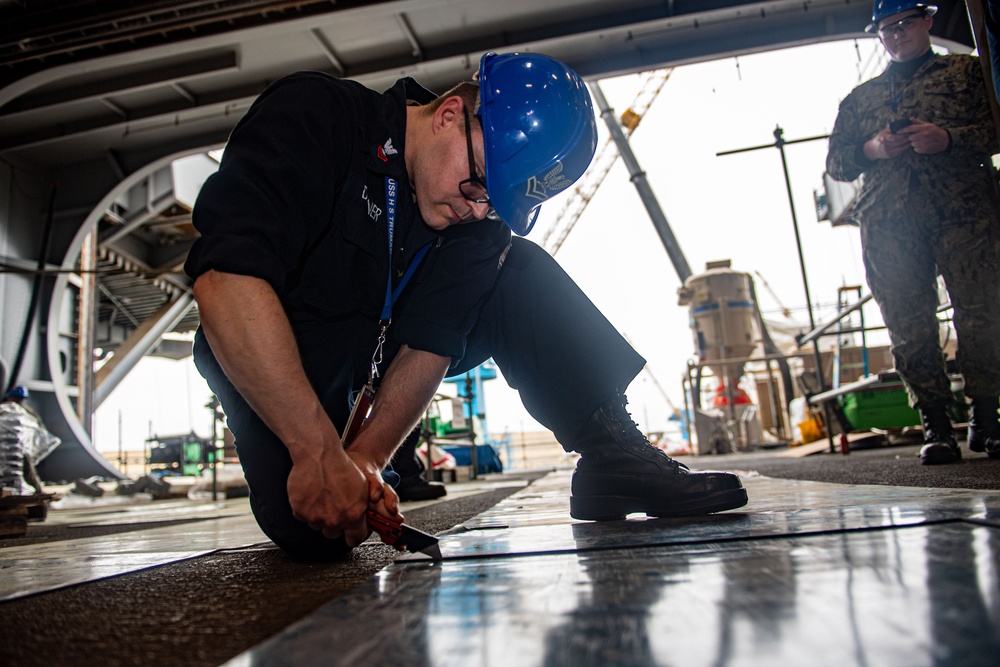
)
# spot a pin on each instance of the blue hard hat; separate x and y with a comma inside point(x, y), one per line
point(886, 8)
point(19, 391)
point(539, 132)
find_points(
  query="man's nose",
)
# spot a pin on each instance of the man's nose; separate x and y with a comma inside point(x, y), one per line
point(479, 211)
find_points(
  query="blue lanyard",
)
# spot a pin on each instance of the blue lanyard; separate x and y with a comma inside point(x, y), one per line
point(390, 217)
point(390, 294)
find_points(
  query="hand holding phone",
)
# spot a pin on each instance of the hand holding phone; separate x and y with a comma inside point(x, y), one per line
point(898, 124)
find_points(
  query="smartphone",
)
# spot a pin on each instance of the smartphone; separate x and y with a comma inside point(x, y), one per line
point(898, 124)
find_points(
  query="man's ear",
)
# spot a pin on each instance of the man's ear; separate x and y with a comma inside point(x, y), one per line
point(448, 113)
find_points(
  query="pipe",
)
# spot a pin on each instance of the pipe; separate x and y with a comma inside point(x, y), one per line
point(36, 290)
point(819, 330)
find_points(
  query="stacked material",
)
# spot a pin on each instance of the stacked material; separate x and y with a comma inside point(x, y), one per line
point(21, 435)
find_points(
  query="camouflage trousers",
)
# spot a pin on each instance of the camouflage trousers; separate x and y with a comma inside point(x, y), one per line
point(903, 252)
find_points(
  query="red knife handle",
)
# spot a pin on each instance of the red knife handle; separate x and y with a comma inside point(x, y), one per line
point(389, 530)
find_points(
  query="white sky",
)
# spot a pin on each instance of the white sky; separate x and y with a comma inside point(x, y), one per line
point(730, 207)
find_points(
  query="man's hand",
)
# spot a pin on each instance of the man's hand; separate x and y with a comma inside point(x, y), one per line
point(331, 494)
point(926, 138)
point(381, 497)
point(885, 145)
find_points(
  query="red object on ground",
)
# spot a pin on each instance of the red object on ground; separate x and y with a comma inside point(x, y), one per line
point(721, 399)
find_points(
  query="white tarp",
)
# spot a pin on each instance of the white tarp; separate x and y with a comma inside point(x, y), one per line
point(21, 433)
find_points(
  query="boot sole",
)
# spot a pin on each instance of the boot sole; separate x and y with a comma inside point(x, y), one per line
point(613, 508)
point(980, 448)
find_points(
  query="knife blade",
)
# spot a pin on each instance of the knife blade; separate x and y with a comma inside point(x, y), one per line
point(397, 534)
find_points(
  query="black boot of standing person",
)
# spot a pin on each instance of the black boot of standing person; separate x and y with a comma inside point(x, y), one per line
point(939, 437)
point(984, 426)
point(413, 484)
point(620, 472)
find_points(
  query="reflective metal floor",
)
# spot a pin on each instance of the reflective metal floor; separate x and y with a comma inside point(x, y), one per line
point(807, 574)
point(199, 528)
point(37, 568)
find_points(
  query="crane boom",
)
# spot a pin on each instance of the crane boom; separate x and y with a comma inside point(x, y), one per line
point(605, 158)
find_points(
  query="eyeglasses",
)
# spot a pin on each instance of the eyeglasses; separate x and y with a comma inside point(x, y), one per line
point(473, 188)
point(899, 26)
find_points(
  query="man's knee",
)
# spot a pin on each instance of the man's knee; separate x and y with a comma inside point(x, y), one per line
point(295, 538)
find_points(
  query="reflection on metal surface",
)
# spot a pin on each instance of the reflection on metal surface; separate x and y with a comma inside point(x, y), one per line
point(810, 574)
point(921, 595)
point(28, 576)
point(132, 511)
point(206, 527)
point(537, 520)
point(43, 567)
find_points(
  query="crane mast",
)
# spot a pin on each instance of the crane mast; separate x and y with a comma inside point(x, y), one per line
point(605, 158)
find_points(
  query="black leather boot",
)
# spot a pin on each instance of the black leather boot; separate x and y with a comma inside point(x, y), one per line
point(984, 426)
point(939, 437)
point(413, 484)
point(620, 472)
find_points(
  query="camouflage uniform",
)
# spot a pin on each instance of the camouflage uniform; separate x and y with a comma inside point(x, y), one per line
point(917, 211)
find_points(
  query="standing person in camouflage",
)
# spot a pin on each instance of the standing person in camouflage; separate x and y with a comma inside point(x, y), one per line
point(922, 135)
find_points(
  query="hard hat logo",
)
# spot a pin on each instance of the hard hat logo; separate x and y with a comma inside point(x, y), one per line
point(539, 132)
point(551, 183)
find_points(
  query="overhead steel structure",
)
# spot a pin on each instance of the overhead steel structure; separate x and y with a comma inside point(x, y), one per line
point(98, 99)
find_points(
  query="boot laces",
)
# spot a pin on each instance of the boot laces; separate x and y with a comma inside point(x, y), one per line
point(631, 433)
point(937, 424)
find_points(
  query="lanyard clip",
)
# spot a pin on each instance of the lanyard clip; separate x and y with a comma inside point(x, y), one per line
point(377, 355)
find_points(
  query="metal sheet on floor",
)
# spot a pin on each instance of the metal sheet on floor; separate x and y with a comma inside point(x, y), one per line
point(538, 521)
point(43, 567)
point(918, 595)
